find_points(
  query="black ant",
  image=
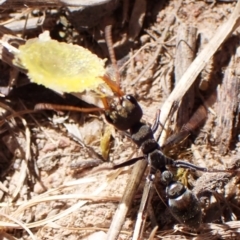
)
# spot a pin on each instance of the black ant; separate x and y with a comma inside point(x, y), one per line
point(125, 114)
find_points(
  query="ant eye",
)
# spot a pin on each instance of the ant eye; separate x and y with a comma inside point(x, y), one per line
point(131, 99)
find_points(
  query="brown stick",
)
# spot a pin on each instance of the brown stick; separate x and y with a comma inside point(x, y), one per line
point(228, 105)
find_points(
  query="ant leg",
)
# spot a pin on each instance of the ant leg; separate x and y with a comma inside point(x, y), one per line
point(142, 213)
point(182, 164)
point(156, 122)
point(144, 205)
point(172, 110)
point(128, 163)
point(126, 201)
point(145, 201)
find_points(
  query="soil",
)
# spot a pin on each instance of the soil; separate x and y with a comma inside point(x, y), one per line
point(55, 182)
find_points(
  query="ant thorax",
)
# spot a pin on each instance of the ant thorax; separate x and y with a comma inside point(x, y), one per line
point(142, 136)
point(124, 114)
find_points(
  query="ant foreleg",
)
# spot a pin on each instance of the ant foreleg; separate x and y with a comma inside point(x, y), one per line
point(128, 163)
point(156, 122)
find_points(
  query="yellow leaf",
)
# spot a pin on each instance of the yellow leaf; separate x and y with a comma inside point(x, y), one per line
point(60, 66)
point(105, 142)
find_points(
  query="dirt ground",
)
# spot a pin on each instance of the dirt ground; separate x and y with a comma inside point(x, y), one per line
point(50, 190)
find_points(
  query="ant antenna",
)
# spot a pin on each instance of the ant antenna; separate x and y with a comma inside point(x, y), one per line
point(108, 37)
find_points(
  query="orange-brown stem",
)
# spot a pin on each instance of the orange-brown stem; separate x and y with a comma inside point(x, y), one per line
point(56, 107)
point(113, 85)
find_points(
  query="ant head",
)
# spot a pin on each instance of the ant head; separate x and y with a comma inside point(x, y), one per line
point(126, 114)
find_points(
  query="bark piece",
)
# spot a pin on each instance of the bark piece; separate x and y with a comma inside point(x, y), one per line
point(228, 105)
point(185, 54)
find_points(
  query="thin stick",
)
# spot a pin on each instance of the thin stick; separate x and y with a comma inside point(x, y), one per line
point(139, 227)
point(108, 37)
point(124, 205)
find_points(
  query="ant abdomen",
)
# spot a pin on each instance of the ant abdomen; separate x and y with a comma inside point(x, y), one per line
point(184, 205)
